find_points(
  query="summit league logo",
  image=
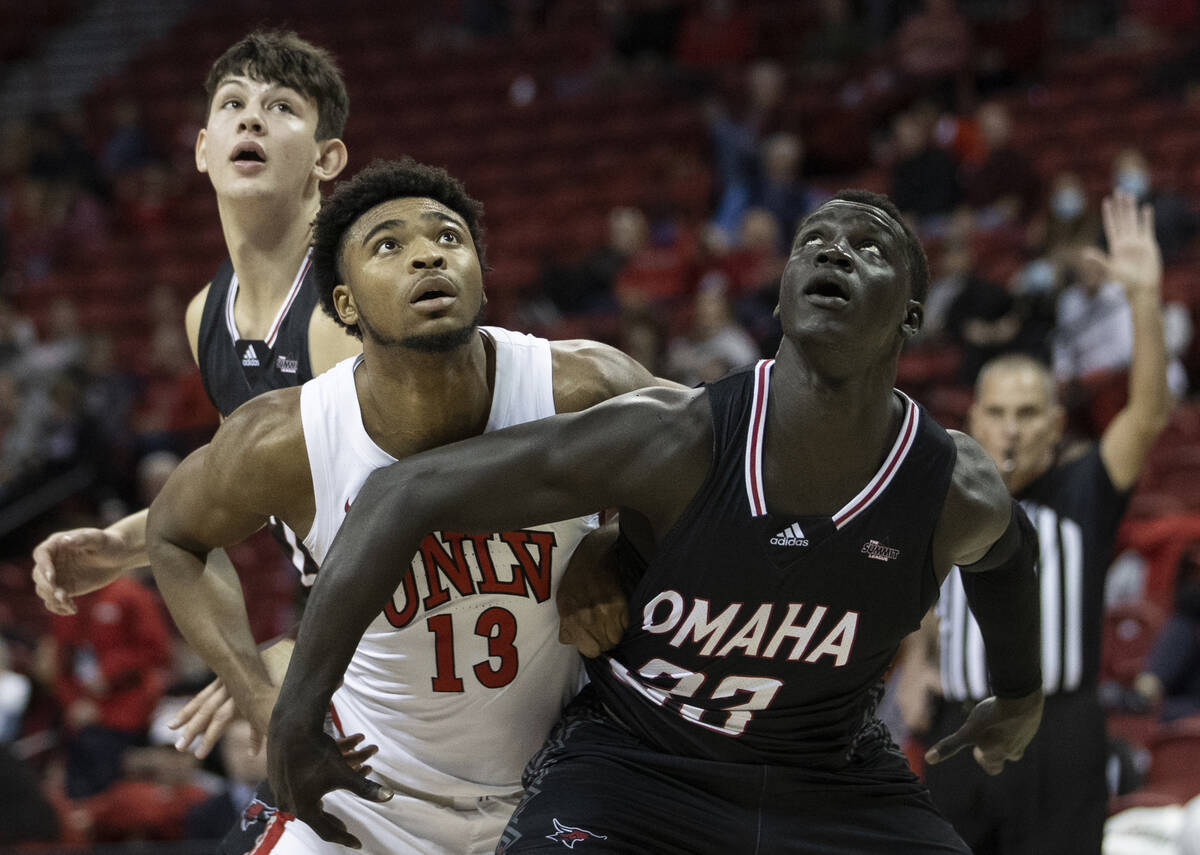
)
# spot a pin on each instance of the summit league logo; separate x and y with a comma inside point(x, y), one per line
point(793, 535)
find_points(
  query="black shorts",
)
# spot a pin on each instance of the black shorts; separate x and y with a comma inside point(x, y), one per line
point(595, 787)
point(1052, 801)
point(251, 822)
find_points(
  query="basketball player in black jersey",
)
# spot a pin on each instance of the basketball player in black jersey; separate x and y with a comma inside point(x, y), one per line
point(1054, 800)
point(277, 108)
point(787, 527)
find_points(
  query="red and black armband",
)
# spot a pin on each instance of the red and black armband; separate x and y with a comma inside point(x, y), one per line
point(1003, 593)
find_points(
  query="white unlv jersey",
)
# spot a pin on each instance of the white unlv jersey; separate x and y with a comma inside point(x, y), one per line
point(460, 677)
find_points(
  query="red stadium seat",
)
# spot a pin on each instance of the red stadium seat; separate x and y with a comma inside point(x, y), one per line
point(1175, 760)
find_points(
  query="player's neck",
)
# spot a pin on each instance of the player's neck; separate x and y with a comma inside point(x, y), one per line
point(266, 243)
point(815, 407)
point(413, 401)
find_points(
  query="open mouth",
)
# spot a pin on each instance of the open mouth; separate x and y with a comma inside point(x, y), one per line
point(434, 290)
point(828, 290)
point(249, 153)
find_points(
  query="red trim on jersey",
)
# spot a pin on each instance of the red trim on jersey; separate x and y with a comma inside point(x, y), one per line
point(231, 297)
point(754, 438)
point(337, 721)
point(275, 828)
point(291, 298)
point(883, 477)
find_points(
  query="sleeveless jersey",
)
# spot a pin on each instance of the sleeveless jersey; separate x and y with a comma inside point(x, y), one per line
point(760, 638)
point(1076, 510)
point(234, 369)
point(460, 677)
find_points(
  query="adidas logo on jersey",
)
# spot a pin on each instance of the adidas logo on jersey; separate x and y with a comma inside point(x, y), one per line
point(250, 358)
point(790, 536)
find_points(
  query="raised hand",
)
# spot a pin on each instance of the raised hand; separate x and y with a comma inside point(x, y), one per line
point(69, 564)
point(1133, 257)
point(999, 728)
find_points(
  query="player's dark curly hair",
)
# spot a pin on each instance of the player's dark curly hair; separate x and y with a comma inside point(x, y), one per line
point(918, 264)
point(283, 58)
point(380, 182)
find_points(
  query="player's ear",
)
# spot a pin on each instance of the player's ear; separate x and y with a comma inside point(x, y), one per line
point(201, 151)
point(331, 159)
point(343, 304)
point(914, 316)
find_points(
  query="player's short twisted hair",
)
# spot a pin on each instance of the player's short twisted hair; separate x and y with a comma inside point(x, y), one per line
point(283, 58)
point(914, 254)
point(380, 182)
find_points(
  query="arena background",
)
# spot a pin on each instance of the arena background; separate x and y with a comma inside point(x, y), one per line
point(642, 164)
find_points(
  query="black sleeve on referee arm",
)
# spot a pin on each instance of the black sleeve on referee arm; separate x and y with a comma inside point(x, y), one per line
point(1003, 593)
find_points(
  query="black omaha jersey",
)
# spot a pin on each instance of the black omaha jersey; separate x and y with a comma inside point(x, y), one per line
point(235, 369)
point(758, 638)
point(1076, 510)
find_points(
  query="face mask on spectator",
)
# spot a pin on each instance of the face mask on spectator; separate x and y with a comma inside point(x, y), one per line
point(1135, 182)
point(1037, 277)
point(1067, 204)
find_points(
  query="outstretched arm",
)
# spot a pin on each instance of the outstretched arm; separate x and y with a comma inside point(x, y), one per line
point(69, 564)
point(219, 495)
point(648, 450)
point(1134, 260)
point(987, 534)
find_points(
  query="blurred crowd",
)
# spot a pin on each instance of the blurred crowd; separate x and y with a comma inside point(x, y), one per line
point(913, 99)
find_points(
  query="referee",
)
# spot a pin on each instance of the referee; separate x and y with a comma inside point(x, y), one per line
point(1054, 799)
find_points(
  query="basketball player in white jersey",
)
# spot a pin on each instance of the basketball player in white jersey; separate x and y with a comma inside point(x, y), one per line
point(277, 109)
point(462, 673)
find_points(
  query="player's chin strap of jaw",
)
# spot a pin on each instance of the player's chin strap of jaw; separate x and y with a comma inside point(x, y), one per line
point(1003, 593)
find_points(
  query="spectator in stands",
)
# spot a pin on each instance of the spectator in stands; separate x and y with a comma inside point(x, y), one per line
point(924, 175)
point(643, 335)
point(127, 147)
point(714, 344)
point(587, 287)
point(933, 51)
point(775, 186)
point(27, 814)
point(1065, 225)
point(982, 318)
point(1003, 187)
point(1172, 674)
point(735, 135)
point(103, 666)
point(17, 335)
point(1175, 218)
point(1094, 330)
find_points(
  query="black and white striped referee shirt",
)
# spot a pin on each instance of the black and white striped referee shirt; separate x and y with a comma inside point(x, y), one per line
point(1076, 511)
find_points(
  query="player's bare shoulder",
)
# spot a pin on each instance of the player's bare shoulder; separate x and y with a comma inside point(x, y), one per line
point(260, 447)
point(192, 318)
point(977, 508)
point(588, 372)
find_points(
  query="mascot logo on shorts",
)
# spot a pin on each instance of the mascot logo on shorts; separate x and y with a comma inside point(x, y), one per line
point(569, 835)
point(257, 811)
